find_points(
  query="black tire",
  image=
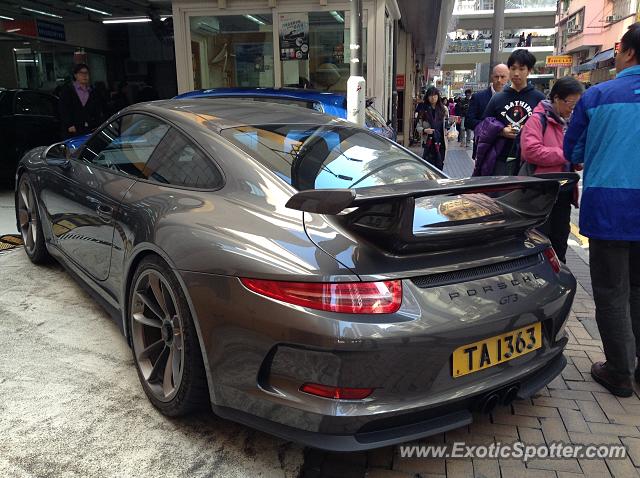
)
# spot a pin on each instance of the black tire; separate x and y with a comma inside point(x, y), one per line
point(29, 221)
point(174, 395)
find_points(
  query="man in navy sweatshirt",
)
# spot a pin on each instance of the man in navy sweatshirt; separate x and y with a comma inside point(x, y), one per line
point(513, 107)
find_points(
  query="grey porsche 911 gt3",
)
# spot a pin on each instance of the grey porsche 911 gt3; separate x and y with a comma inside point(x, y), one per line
point(302, 275)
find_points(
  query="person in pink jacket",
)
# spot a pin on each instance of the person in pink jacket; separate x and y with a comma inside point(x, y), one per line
point(541, 142)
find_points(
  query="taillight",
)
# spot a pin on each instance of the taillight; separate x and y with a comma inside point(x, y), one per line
point(383, 297)
point(337, 393)
point(551, 256)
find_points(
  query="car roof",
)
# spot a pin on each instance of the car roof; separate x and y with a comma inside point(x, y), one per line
point(221, 113)
point(324, 97)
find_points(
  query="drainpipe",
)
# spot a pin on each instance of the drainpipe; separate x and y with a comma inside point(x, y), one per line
point(497, 37)
point(394, 87)
point(356, 87)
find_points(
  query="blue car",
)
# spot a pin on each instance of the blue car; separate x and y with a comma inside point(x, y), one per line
point(330, 103)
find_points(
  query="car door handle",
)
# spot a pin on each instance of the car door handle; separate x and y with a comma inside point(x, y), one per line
point(105, 212)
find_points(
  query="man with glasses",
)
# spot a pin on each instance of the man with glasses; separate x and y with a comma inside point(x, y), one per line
point(80, 110)
point(604, 134)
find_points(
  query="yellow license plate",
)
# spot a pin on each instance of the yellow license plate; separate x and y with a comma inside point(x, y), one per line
point(495, 350)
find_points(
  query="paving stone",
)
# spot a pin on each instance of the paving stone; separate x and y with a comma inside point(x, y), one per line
point(382, 473)
point(580, 332)
point(557, 383)
point(534, 411)
point(622, 468)
point(494, 429)
point(556, 402)
point(575, 353)
point(564, 464)
point(554, 430)
point(591, 411)
point(593, 439)
point(594, 468)
point(633, 420)
point(572, 394)
point(459, 468)
point(565, 474)
point(585, 348)
point(435, 466)
point(609, 404)
point(614, 429)
point(486, 468)
point(586, 386)
point(531, 473)
point(570, 372)
point(633, 449)
point(531, 436)
point(505, 417)
point(583, 364)
point(573, 421)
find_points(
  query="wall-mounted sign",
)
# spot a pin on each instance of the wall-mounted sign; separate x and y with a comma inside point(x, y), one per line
point(294, 36)
point(400, 82)
point(559, 61)
point(50, 30)
point(20, 27)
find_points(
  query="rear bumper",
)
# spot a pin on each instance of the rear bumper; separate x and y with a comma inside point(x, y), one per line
point(411, 426)
point(259, 352)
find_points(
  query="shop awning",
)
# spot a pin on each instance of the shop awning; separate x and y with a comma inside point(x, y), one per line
point(598, 58)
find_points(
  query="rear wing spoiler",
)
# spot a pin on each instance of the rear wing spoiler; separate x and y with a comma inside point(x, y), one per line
point(466, 209)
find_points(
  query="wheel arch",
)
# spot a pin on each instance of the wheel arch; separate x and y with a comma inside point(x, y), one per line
point(139, 253)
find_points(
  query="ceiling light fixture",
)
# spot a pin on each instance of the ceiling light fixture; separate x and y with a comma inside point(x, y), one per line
point(6, 18)
point(337, 16)
point(254, 19)
point(40, 12)
point(94, 10)
point(128, 20)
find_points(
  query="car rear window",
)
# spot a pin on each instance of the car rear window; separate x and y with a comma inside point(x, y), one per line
point(329, 156)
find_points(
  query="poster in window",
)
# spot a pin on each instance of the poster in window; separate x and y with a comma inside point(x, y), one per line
point(294, 36)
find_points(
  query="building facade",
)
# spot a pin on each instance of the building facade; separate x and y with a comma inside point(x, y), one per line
point(588, 31)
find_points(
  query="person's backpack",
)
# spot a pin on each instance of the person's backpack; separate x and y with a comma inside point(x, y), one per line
point(526, 168)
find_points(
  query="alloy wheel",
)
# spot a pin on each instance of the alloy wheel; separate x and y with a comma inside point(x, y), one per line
point(27, 216)
point(157, 334)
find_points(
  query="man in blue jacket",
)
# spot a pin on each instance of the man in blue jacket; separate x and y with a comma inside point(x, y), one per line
point(604, 134)
point(480, 100)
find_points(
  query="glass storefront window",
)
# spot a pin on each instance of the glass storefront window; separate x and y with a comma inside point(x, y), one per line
point(232, 51)
point(326, 66)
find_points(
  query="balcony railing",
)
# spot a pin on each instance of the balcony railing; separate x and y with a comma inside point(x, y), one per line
point(469, 6)
point(484, 45)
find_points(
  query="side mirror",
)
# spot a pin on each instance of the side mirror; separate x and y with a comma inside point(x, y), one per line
point(57, 155)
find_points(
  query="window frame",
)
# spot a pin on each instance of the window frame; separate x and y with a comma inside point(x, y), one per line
point(77, 155)
point(105, 125)
point(198, 148)
point(16, 99)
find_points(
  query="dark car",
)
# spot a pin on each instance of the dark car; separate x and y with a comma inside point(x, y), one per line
point(303, 276)
point(28, 119)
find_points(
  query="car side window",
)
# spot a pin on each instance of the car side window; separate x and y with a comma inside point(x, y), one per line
point(35, 104)
point(126, 144)
point(178, 162)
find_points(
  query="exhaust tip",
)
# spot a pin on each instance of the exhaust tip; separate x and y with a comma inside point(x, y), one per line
point(510, 395)
point(489, 403)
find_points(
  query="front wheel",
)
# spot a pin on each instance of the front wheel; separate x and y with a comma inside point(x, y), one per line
point(29, 220)
point(164, 341)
